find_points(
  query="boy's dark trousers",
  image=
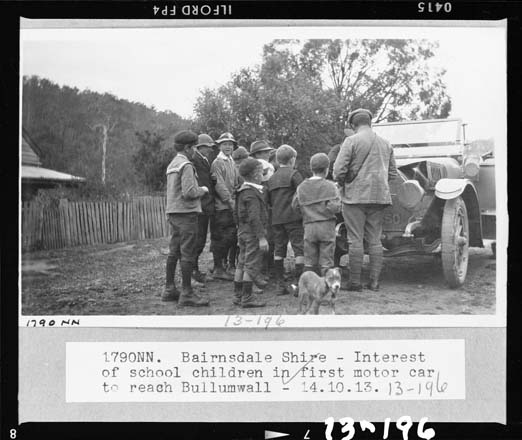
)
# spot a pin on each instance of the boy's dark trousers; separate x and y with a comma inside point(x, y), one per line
point(250, 256)
point(292, 232)
point(183, 242)
point(268, 257)
point(283, 233)
point(204, 224)
point(182, 248)
point(226, 235)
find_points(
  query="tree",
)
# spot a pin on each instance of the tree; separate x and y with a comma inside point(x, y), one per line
point(301, 92)
point(393, 78)
point(106, 125)
point(69, 125)
point(151, 160)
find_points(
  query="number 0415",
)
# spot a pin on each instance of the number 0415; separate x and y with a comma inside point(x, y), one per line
point(434, 7)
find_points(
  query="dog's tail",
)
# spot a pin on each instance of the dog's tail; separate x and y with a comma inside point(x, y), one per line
point(294, 290)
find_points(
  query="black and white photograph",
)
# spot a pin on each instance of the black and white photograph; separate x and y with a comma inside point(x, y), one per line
point(264, 227)
point(324, 169)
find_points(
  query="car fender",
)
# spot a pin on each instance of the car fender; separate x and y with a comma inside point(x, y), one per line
point(447, 189)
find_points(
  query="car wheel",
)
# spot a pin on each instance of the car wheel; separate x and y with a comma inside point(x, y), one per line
point(455, 242)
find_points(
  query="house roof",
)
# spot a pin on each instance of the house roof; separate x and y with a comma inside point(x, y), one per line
point(30, 152)
point(45, 174)
point(32, 166)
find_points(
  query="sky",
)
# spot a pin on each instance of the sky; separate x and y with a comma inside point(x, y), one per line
point(167, 67)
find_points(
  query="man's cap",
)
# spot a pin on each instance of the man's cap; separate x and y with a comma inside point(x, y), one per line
point(257, 146)
point(226, 137)
point(185, 137)
point(204, 140)
point(319, 161)
point(240, 153)
point(248, 166)
point(359, 111)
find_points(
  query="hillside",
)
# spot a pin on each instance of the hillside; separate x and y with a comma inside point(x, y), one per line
point(68, 125)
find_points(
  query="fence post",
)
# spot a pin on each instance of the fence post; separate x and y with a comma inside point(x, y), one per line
point(64, 210)
point(134, 219)
point(24, 226)
point(146, 212)
point(40, 225)
point(78, 223)
point(164, 223)
point(97, 222)
point(72, 220)
point(143, 224)
point(157, 229)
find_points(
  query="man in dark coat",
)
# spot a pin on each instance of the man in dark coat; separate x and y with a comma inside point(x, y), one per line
point(202, 160)
point(363, 169)
point(226, 176)
point(334, 152)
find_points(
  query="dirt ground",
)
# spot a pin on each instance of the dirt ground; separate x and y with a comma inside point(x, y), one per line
point(128, 278)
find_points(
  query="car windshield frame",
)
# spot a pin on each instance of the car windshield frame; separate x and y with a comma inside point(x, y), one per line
point(427, 133)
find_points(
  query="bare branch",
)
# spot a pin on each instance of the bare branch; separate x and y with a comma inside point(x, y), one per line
point(389, 95)
point(382, 119)
point(360, 75)
point(385, 105)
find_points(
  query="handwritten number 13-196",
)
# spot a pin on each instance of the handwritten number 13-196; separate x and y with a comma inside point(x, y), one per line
point(403, 424)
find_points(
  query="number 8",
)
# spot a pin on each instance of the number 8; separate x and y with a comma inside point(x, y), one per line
point(12, 433)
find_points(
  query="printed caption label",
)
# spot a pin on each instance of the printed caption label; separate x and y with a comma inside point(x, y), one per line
point(225, 371)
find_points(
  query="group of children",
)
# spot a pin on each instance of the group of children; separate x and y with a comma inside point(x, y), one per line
point(254, 201)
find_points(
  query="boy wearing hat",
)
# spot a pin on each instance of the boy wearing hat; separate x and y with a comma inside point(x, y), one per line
point(286, 223)
point(252, 218)
point(202, 159)
point(183, 206)
point(239, 155)
point(226, 176)
point(363, 169)
point(261, 151)
point(318, 200)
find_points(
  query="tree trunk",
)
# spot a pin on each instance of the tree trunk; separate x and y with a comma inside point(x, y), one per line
point(104, 146)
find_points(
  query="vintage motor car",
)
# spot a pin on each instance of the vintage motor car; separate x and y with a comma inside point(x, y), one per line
point(443, 199)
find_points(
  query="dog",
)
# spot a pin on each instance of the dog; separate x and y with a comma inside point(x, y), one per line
point(313, 290)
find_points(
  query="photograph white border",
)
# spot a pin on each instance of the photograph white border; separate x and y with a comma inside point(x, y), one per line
point(397, 29)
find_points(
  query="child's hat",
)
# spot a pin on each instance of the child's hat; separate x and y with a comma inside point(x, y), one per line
point(226, 137)
point(257, 146)
point(204, 140)
point(185, 137)
point(240, 153)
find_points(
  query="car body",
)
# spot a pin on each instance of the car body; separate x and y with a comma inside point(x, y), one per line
point(443, 200)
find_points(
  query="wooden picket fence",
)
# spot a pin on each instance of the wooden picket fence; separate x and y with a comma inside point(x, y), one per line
point(85, 223)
